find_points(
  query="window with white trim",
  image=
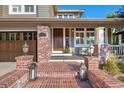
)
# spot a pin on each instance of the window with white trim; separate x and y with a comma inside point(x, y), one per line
point(66, 16)
point(16, 8)
point(79, 37)
point(29, 8)
point(122, 38)
point(22, 9)
point(60, 16)
point(90, 38)
point(71, 16)
point(90, 35)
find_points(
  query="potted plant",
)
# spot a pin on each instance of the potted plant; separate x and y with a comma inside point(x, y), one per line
point(66, 50)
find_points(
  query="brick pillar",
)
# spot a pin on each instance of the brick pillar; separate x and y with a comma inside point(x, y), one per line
point(92, 63)
point(43, 43)
point(23, 62)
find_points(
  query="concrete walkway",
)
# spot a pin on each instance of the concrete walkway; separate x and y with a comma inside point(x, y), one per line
point(6, 67)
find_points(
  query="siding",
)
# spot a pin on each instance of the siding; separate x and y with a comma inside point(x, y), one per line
point(0, 11)
point(18, 26)
point(43, 11)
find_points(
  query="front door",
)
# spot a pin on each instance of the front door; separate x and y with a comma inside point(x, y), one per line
point(57, 40)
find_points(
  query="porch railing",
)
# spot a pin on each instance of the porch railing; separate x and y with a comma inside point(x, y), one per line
point(118, 50)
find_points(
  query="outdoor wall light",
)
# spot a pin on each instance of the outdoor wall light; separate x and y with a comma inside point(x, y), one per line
point(32, 72)
point(25, 48)
point(83, 71)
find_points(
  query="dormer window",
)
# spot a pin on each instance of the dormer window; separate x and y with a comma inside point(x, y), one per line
point(60, 16)
point(71, 16)
point(65, 16)
point(22, 9)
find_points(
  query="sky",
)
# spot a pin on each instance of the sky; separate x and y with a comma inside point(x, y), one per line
point(93, 11)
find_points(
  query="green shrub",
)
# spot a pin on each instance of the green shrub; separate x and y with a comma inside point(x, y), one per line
point(66, 50)
point(121, 78)
point(111, 65)
point(121, 67)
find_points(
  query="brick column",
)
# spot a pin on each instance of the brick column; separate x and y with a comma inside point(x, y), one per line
point(23, 62)
point(43, 43)
point(92, 63)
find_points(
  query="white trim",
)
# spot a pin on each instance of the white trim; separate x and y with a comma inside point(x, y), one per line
point(70, 40)
point(106, 36)
point(67, 60)
point(85, 35)
point(52, 39)
point(16, 30)
point(55, 54)
point(111, 36)
point(22, 10)
point(120, 41)
point(57, 51)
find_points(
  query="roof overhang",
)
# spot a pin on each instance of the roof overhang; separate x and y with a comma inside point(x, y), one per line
point(107, 22)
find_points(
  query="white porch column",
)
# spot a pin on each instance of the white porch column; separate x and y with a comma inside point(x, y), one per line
point(100, 38)
point(101, 35)
point(106, 35)
point(119, 39)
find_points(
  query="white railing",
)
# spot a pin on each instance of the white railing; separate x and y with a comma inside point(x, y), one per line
point(118, 50)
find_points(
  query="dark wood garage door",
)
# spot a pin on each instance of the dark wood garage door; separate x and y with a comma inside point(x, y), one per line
point(11, 45)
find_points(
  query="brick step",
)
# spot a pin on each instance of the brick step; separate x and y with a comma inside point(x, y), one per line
point(57, 74)
point(52, 82)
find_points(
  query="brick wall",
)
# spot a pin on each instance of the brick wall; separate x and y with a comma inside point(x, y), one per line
point(23, 62)
point(43, 45)
point(98, 78)
point(95, 50)
point(14, 79)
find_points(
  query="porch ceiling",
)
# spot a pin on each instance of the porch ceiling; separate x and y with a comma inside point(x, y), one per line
point(54, 22)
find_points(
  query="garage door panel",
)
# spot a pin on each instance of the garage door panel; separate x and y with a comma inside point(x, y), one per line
point(9, 49)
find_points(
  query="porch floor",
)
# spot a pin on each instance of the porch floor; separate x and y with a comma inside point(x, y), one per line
point(67, 58)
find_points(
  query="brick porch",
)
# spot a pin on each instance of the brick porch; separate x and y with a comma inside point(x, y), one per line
point(58, 75)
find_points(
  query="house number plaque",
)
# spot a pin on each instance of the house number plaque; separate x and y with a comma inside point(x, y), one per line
point(43, 35)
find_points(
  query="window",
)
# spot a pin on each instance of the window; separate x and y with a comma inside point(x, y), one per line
point(2, 36)
point(79, 29)
point(90, 29)
point(16, 8)
point(22, 9)
point(90, 37)
point(29, 8)
point(79, 36)
point(122, 38)
point(29, 36)
point(59, 16)
point(71, 17)
point(65, 16)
